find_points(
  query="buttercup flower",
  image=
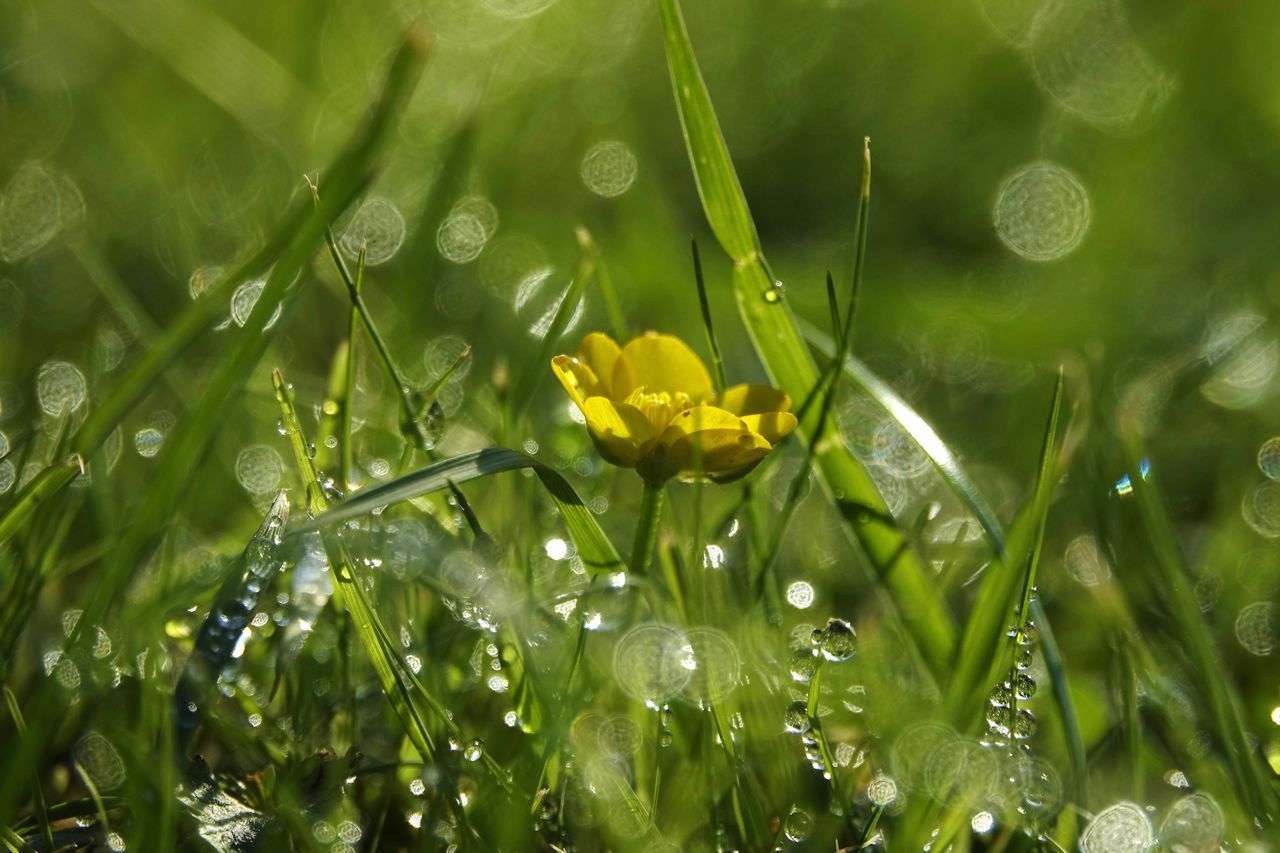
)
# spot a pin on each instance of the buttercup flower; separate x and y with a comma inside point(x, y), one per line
point(650, 406)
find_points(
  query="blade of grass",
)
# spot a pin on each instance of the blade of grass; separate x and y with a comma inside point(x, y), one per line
point(527, 380)
point(343, 180)
point(978, 660)
point(233, 607)
point(612, 307)
point(1208, 673)
point(717, 361)
point(594, 548)
point(773, 332)
point(953, 473)
point(37, 790)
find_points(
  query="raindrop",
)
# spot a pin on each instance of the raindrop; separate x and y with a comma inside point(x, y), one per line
point(245, 298)
point(796, 718)
point(799, 825)
point(378, 227)
point(60, 388)
point(609, 169)
point(619, 736)
point(474, 750)
point(653, 662)
point(1194, 823)
point(838, 641)
point(1256, 628)
point(1085, 562)
point(30, 212)
point(147, 441)
point(800, 595)
point(717, 666)
point(1085, 58)
point(259, 469)
point(517, 9)
point(100, 761)
point(1269, 458)
point(804, 665)
point(1121, 828)
point(1042, 211)
point(882, 790)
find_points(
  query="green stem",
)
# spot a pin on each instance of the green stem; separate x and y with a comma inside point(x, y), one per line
point(647, 528)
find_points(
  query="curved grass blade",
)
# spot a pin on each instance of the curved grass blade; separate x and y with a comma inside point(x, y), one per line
point(1225, 714)
point(232, 609)
point(594, 548)
point(773, 332)
point(295, 235)
point(954, 474)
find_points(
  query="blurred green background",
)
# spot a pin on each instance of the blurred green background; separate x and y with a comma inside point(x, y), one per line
point(1080, 183)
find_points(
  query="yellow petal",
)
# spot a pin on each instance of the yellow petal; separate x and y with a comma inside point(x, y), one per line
point(660, 363)
point(578, 379)
point(753, 400)
point(620, 431)
point(774, 426)
point(712, 441)
point(599, 352)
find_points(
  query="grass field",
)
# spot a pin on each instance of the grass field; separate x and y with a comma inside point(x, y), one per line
point(303, 545)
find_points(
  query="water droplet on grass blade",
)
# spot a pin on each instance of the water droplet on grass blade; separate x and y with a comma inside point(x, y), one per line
point(838, 642)
point(795, 719)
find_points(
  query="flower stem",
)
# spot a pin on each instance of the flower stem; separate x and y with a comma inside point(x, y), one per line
point(647, 528)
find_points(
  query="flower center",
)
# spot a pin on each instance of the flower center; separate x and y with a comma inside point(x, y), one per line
point(659, 407)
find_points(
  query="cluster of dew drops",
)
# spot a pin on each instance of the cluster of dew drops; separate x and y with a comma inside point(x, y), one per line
point(835, 643)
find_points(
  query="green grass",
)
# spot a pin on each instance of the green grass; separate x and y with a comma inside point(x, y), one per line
point(996, 590)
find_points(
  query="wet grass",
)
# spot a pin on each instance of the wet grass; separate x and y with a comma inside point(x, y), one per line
point(433, 641)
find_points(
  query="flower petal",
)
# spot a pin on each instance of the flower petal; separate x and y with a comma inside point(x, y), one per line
point(579, 380)
point(620, 431)
point(774, 426)
point(599, 352)
point(711, 440)
point(660, 363)
point(753, 400)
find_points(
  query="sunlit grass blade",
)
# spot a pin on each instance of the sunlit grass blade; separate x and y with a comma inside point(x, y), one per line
point(608, 293)
point(717, 360)
point(295, 236)
point(594, 548)
point(233, 606)
point(533, 372)
point(37, 791)
point(979, 657)
point(352, 594)
point(777, 341)
point(1208, 672)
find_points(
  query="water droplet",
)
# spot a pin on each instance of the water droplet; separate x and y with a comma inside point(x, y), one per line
point(474, 750)
point(245, 298)
point(609, 169)
point(838, 641)
point(259, 469)
point(800, 595)
point(799, 825)
point(652, 662)
point(60, 388)
point(1042, 212)
point(1121, 828)
point(378, 227)
point(796, 718)
point(804, 665)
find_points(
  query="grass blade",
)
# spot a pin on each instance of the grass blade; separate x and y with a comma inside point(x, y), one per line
point(594, 548)
point(777, 341)
point(1225, 716)
point(232, 609)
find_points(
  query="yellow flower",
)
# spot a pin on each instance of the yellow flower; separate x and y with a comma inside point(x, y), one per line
point(650, 406)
